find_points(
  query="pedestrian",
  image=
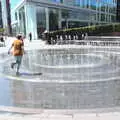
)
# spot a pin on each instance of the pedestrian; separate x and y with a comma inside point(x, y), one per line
point(30, 36)
point(18, 51)
point(86, 36)
point(2, 40)
point(83, 36)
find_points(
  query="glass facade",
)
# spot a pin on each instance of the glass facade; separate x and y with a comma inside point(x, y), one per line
point(53, 19)
point(41, 20)
point(22, 25)
point(57, 1)
point(74, 18)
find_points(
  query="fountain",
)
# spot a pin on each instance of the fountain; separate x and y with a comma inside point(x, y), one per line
point(76, 77)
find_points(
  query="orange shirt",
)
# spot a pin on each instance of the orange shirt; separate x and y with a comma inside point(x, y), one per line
point(17, 47)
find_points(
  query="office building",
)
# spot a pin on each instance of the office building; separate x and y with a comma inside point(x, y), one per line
point(36, 16)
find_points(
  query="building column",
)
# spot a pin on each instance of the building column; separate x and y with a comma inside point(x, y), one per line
point(60, 19)
point(99, 15)
point(97, 6)
point(47, 18)
point(89, 4)
point(31, 21)
point(21, 22)
point(18, 22)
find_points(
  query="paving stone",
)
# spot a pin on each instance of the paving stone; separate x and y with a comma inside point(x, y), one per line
point(92, 93)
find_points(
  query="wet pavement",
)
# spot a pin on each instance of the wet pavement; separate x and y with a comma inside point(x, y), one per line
point(62, 79)
point(79, 78)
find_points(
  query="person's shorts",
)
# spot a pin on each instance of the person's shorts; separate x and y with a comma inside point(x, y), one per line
point(18, 59)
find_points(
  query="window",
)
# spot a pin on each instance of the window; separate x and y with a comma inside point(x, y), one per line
point(113, 18)
point(102, 17)
point(41, 20)
point(57, 1)
point(93, 4)
point(15, 16)
point(77, 2)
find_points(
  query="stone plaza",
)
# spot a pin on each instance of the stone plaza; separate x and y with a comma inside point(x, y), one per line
point(77, 82)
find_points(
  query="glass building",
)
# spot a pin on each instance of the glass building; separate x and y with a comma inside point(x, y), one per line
point(36, 16)
point(118, 10)
point(6, 16)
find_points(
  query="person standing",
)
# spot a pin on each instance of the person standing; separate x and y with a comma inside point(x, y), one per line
point(18, 51)
point(30, 36)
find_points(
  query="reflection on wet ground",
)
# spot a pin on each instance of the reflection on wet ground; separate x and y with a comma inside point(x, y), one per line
point(62, 79)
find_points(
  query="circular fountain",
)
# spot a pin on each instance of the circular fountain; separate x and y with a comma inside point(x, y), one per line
point(72, 78)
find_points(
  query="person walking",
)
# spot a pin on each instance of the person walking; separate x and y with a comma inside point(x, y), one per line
point(18, 51)
point(30, 36)
point(2, 40)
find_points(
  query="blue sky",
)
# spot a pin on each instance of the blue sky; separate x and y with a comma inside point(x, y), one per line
point(14, 3)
